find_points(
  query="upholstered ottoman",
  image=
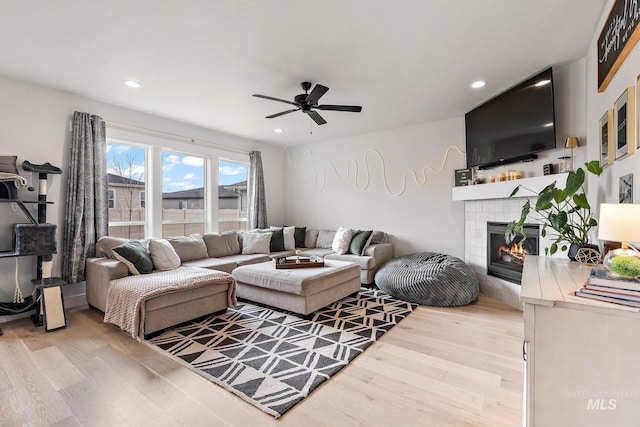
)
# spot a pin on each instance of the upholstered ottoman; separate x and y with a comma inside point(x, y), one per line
point(429, 278)
point(301, 290)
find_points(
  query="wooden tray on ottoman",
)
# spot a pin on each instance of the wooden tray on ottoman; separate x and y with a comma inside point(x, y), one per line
point(292, 263)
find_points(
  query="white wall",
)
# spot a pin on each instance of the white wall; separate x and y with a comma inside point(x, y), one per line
point(597, 105)
point(367, 182)
point(35, 127)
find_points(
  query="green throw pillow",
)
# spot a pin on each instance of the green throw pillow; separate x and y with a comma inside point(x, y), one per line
point(299, 235)
point(135, 256)
point(359, 242)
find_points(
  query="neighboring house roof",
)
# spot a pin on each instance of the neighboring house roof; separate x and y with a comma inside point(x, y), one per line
point(198, 193)
point(242, 185)
point(121, 180)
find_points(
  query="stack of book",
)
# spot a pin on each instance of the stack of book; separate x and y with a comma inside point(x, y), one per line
point(604, 287)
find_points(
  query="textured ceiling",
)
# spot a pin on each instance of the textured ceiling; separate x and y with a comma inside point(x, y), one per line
point(406, 62)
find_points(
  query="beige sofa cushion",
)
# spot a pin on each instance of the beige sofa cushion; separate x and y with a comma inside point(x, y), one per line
point(325, 239)
point(310, 238)
point(224, 244)
point(189, 248)
point(105, 245)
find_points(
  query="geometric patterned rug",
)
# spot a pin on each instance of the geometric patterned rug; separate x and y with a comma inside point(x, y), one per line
point(274, 359)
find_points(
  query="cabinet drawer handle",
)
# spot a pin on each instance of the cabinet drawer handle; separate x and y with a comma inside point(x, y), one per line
point(524, 351)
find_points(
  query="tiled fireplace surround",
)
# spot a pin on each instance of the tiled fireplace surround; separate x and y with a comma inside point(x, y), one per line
point(491, 203)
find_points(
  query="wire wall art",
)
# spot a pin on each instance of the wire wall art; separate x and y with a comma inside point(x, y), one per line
point(419, 178)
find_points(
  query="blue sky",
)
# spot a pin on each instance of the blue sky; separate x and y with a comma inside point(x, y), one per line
point(179, 171)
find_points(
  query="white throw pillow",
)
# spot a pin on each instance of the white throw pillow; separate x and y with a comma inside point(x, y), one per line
point(163, 255)
point(256, 243)
point(342, 240)
point(289, 237)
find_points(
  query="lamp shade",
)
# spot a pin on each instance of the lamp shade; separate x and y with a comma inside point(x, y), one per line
point(619, 222)
point(572, 142)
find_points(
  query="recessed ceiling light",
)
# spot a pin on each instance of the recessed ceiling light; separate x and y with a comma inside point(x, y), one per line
point(478, 84)
point(543, 82)
point(277, 130)
point(132, 83)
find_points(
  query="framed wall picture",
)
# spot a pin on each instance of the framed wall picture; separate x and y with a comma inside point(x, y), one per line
point(625, 189)
point(606, 137)
point(624, 119)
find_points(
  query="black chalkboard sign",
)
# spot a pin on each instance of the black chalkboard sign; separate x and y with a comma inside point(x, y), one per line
point(618, 36)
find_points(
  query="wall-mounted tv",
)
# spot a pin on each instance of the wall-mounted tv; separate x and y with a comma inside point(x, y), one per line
point(514, 125)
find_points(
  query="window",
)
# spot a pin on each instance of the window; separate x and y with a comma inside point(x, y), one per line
point(126, 186)
point(111, 198)
point(232, 195)
point(183, 194)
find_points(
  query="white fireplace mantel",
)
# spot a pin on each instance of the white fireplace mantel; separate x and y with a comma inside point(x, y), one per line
point(502, 190)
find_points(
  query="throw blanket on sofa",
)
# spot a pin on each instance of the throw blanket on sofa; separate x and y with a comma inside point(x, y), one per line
point(127, 296)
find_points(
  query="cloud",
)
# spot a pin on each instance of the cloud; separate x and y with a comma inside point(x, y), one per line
point(179, 184)
point(119, 149)
point(134, 171)
point(189, 176)
point(171, 159)
point(193, 161)
point(232, 171)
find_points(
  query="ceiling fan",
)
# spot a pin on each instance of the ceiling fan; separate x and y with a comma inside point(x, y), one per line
point(307, 102)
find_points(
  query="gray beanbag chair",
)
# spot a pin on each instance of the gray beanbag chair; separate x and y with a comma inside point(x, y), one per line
point(429, 278)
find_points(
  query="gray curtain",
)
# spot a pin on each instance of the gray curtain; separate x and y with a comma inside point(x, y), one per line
point(257, 209)
point(86, 215)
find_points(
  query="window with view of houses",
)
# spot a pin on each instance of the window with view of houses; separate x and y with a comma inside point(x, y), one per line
point(126, 188)
point(232, 195)
point(182, 195)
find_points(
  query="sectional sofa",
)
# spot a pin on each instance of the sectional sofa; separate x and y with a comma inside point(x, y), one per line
point(225, 252)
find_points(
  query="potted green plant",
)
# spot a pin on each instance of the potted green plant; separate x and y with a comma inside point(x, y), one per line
point(565, 213)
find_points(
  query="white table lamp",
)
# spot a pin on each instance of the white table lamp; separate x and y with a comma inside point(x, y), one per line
point(621, 223)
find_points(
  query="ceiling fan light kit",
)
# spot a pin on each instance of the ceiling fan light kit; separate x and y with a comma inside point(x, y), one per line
point(308, 102)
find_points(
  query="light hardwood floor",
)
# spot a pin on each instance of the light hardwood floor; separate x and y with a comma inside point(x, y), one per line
point(439, 366)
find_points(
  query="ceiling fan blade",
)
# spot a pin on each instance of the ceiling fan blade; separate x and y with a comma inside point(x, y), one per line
point(282, 113)
point(352, 108)
point(274, 99)
point(316, 117)
point(316, 94)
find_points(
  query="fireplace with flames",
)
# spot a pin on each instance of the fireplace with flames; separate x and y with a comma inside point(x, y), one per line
point(506, 261)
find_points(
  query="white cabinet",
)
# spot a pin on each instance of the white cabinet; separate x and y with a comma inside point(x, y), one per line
point(582, 360)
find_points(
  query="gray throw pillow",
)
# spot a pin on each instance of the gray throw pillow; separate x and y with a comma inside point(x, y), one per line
point(224, 244)
point(8, 164)
point(189, 248)
point(378, 237)
point(135, 256)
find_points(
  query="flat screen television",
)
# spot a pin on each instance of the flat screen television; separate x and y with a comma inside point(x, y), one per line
point(514, 125)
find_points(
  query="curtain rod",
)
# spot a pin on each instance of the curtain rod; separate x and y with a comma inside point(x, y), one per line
point(188, 138)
